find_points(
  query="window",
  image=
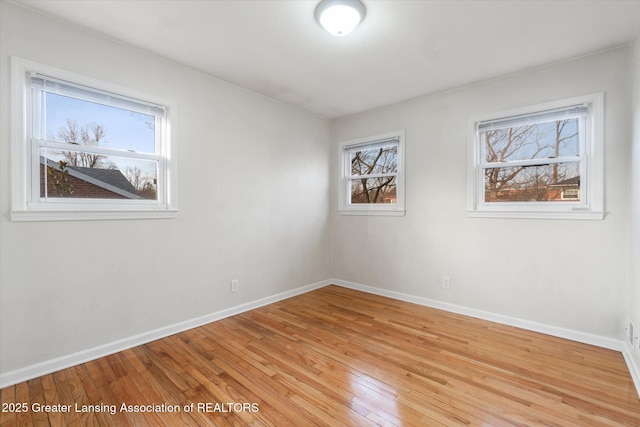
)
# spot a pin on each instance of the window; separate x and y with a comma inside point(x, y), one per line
point(544, 161)
point(86, 149)
point(372, 175)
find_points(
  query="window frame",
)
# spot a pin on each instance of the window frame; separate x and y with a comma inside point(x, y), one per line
point(26, 203)
point(345, 207)
point(590, 158)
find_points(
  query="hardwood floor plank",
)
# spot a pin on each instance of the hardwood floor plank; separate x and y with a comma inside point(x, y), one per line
point(8, 417)
point(36, 394)
point(336, 356)
point(22, 396)
point(64, 386)
point(98, 371)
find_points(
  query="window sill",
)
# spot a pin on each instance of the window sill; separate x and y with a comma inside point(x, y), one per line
point(589, 215)
point(89, 215)
point(371, 213)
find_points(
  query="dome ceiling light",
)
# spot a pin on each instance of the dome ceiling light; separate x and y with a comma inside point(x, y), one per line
point(340, 17)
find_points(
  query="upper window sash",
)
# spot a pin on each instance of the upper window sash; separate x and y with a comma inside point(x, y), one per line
point(580, 156)
point(42, 85)
point(349, 150)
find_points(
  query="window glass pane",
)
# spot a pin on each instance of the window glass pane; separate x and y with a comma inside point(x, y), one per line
point(551, 182)
point(374, 190)
point(81, 122)
point(535, 141)
point(72, 174)
point(374, 161)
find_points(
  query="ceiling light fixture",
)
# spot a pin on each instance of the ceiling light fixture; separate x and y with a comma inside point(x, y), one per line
point(340, 17)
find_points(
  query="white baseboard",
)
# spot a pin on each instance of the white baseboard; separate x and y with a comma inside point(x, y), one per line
point(53, 365)
point(634, 369)
point(570, 334)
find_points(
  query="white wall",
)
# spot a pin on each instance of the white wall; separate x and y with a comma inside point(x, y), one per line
point(253, 205)
point(564, 273)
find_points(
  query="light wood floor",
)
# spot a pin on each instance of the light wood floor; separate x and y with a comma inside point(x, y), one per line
point(340, 357)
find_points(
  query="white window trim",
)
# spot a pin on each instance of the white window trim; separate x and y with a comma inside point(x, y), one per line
point(345, 207)
point(24, 209)
point(590, 207)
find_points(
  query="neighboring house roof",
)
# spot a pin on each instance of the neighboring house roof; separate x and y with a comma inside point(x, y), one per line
point(110, 179)
point(567, 182)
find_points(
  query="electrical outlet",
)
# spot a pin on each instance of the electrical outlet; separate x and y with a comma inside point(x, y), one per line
point(446, 282)
point(234, 285)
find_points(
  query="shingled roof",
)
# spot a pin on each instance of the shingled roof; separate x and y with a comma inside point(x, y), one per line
point(112, 177)
point(567, 182)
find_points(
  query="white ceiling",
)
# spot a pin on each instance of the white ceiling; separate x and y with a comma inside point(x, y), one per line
point(402, 50)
